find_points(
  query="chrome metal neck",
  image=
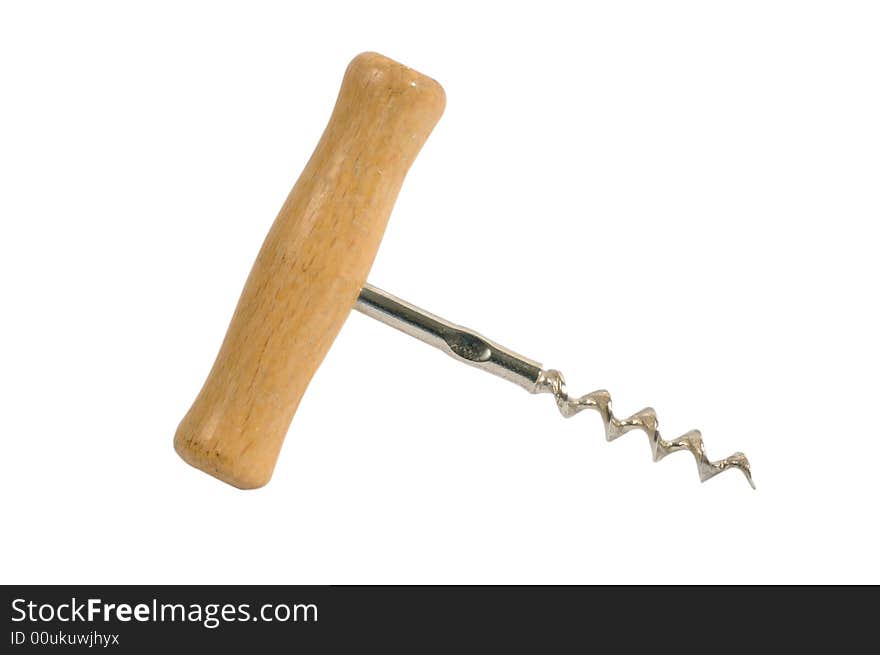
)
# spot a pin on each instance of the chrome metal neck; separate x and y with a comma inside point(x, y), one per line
point(458, 342)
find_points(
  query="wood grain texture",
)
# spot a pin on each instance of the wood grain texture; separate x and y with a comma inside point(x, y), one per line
point(307, 275)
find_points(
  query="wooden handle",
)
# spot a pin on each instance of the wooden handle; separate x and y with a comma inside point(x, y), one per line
point(309, 271)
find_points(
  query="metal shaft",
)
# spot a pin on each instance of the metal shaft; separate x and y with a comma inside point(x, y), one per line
point(459, 343)
point(474, 349)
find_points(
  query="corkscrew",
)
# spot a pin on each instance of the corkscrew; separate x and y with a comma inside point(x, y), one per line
point(471, 348)
point(311, 271)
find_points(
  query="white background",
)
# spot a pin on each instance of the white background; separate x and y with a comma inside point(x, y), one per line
point(675, 201)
